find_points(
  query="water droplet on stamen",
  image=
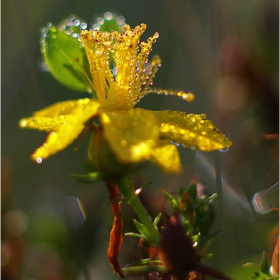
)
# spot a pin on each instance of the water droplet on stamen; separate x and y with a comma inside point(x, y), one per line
point(123, 143)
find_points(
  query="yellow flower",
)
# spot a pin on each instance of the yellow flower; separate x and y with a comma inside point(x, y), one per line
point(133, 134)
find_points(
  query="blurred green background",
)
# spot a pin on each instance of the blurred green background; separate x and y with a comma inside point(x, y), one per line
point(226, 52)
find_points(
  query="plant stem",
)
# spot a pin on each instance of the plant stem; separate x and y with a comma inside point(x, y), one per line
point(127, 188)
point(144, 269)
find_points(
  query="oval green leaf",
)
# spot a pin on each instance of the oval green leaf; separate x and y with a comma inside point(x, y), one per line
point(66, 59)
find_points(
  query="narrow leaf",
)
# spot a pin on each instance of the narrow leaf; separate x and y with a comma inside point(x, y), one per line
point(143, 230)
point(157, 218)
point(132, 234)
point(171, 200)
point(88, 178)
point(264, 264)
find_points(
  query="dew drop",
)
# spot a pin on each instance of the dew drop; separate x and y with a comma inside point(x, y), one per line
point(43, 32)
point(95, 27)
point(175, 143)
point(77, 22)
point(100, 20)
point(39, 160)
point(43, 66)
point(108, 16)
point(69, 23)
point(224, 150)
point(123, 143)
point(83, 25)
point(98, 52)
point(120, 20)
point(71, 17)
point(23, 123)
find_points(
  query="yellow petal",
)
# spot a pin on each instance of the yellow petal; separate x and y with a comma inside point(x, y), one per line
point(66, 133)
point(61, 108)
point(132, 134)
point(166, 156)
point(191, 130)
point(43, 123)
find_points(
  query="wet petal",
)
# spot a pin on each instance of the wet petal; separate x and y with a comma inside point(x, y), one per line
point(132, 134)
point(43, 123)
point(61, 108)
point(191, 130)
point(166, 156)
point(66, 133)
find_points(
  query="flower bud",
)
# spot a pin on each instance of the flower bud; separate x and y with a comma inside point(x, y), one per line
point(100, 157)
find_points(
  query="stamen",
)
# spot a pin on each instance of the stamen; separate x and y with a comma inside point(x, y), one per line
point(188, 96)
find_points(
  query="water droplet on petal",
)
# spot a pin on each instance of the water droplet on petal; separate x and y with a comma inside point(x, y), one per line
point(39, 160)
point(22, 123)
point(224, 150)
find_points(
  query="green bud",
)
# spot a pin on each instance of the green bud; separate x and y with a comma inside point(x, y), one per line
point(101, 159)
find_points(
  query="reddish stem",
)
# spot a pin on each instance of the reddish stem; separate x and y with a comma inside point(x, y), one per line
point(116, 232)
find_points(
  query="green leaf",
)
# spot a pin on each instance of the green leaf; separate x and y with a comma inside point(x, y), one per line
point(193, 191)
point(204, 238)
point(143, 231)
point(171, 200)
point(264, 264)
point(212, 197)
point(144, 269)
point(145, 261)
point(66, 59)
point(132, 234)
point(157, 219)
point(88, 178)
point(181, 192)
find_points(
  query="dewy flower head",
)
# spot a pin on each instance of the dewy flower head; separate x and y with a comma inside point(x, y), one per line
point(132, 134)
point(122, 90)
